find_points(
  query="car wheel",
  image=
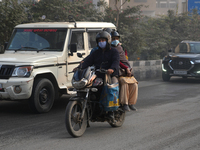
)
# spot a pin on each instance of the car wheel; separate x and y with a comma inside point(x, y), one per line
point(43, 96)
point(165, 77)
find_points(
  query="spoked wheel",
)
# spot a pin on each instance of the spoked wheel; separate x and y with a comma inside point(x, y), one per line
point(73, 122)
point(119, 117)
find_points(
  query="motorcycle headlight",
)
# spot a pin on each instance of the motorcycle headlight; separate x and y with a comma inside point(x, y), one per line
point(79, 84)
point(24, 71)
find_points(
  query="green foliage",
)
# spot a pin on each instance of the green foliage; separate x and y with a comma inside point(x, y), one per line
point(11, 14)
point(128, 26)
point(167, 32)
point(59, 10)
point(142, 36)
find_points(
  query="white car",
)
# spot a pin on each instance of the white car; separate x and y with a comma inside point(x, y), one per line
point(38, 58)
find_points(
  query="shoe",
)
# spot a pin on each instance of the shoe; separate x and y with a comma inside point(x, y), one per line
point(132, 108)
point(126, 108)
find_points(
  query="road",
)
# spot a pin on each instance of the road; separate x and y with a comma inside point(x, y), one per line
point(167, 119)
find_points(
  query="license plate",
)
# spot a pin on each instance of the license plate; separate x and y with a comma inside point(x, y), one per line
point(180, 72)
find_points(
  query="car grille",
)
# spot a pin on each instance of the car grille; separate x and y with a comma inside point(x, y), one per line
point(181, 63)
point(6, 71)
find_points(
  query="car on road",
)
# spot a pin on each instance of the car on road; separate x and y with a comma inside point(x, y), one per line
point(36, 63)
point(183, 61)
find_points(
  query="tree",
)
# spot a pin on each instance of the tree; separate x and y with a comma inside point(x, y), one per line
point(128, 25)
point(142, 36)
point(59, 10)
point(118, 10)
point(11, 14)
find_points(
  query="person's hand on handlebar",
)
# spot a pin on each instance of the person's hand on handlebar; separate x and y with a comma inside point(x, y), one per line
point(77, 67)
point(110, 71)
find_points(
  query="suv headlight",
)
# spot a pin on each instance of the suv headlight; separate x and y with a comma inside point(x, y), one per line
point(24, 71)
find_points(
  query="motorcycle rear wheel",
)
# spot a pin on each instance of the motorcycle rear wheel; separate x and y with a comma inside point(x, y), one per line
point(120, 121)
point(74, 125)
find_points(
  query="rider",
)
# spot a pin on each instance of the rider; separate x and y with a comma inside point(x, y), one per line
point(128, 91)
point(104, 57)
point(109, 30)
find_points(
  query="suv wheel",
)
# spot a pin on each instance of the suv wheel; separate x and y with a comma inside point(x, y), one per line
point(43, 96)
point(165, 76)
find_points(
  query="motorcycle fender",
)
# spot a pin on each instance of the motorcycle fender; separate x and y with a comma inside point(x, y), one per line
point(76, 98)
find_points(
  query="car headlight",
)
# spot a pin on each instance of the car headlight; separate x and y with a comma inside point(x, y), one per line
point(163, 68)
point(24, 71)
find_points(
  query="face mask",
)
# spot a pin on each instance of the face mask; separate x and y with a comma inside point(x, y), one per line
point(102, 44)
point(115, 42)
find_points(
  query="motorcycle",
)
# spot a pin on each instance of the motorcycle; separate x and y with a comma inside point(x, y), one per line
point(85, 106)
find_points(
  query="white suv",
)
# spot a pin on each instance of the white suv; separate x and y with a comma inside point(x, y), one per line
point(38, 58)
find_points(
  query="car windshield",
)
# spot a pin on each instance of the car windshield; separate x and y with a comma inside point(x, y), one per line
point(193, 48)
point(37, 39)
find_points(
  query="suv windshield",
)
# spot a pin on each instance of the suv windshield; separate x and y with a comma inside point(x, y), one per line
point(193, 48)
point(37, 39)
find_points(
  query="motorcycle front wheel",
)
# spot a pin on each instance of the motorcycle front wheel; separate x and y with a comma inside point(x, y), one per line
point(73, 122)
point(120, 117)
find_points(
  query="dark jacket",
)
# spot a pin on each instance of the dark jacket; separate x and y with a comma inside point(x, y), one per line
point(122, 56)
point(108, 59)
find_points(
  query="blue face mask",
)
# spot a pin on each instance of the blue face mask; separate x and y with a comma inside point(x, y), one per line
point(102, 44)
point(115, 42)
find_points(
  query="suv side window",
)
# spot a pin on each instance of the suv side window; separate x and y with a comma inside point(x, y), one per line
point(77, 37)
point(92, 39)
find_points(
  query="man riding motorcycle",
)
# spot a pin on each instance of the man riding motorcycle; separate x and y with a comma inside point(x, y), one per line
point(104, 57)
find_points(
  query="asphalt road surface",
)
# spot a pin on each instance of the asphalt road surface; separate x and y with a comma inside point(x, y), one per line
point(167, 119)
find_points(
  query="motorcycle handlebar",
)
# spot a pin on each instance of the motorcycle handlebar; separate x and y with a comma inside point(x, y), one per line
point(97, 70)
point(102, 70)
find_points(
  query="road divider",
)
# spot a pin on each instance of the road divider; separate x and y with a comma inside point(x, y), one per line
point(144, 70)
